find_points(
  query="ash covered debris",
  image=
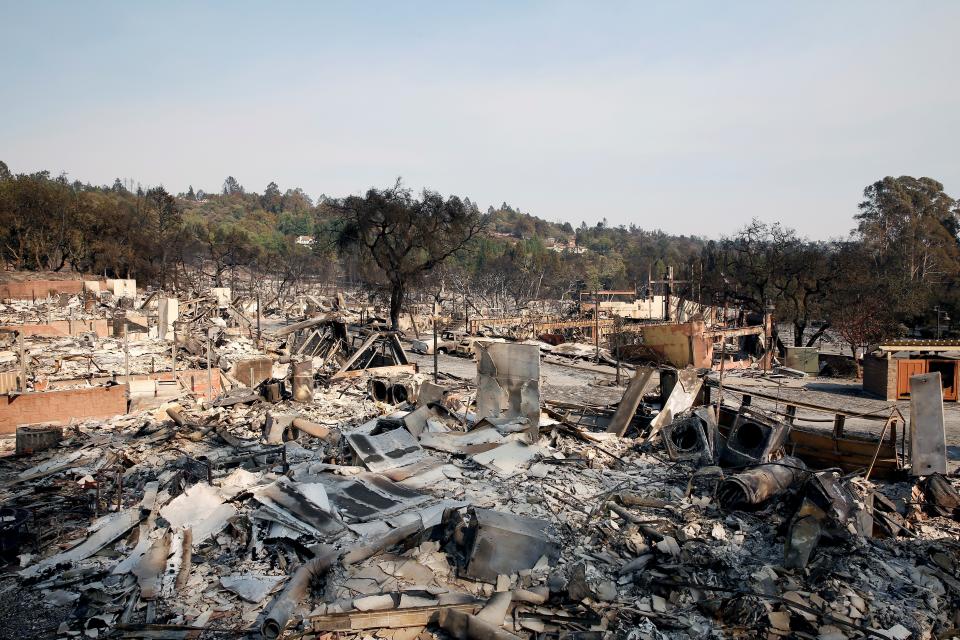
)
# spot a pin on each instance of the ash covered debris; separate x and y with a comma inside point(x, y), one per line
point(373, 503)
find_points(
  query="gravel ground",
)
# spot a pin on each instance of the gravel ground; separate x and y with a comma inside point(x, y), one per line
point(25, 615)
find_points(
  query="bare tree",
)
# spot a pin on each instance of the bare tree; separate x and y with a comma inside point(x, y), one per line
point(403, 235)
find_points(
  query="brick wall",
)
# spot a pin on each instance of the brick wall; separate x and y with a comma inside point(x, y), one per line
point(62, 328)
point(39, 289)
point(60, 406)
point(197, 378)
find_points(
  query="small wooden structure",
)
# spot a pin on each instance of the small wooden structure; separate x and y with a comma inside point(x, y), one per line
point(888, 367)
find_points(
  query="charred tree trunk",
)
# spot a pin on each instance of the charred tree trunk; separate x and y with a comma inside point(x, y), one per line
point(396, 302)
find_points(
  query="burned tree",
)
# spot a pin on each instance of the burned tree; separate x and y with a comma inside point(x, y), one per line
point(769, 262)
point(403, 235)
point(860, 309)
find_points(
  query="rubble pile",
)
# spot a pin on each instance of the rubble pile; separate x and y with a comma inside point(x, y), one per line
point(428, 515)
point(64, 307)
point(334, 347)
point(85, 357)
point(323, 487)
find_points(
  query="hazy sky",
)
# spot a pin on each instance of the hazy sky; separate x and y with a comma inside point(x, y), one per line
point(684, 116)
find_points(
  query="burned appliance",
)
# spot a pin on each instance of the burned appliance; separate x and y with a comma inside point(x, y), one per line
point(755, 438)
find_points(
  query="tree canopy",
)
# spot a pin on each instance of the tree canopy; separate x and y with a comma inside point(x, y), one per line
point(901, 260)
point(405, 236)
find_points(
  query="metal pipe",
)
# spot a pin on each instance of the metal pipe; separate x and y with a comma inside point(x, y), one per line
point(295, 592)
point(177, 416)
point(361, 553)
point(332, 436)
point(758, 484)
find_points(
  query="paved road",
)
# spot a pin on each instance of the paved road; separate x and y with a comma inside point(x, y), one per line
point(558, 382)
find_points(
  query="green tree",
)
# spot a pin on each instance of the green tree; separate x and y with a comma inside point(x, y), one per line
point(908, 227)
point(272, 200)
point(232, 187)
point(164, 219)
point(296, 201)
point(911, 225)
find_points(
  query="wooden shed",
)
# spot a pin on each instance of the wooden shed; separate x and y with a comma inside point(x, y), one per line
point(888, 367)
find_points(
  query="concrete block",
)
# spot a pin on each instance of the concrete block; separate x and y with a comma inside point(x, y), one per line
point(806, 359)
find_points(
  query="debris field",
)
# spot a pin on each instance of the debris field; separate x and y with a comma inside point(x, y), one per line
point(304, 480)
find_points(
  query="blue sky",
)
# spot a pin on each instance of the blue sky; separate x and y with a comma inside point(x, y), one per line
point(691, 117)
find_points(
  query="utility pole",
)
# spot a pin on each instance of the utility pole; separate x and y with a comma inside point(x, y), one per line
point(596, 324)
point(23, 362)
point(436, 309)
point(209, 370)
point(668, 283)
point(126, 357)
point(945, 317)
point(259, 334)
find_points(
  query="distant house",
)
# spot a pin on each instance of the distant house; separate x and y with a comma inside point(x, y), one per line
point(569, 246)
point(305, 240)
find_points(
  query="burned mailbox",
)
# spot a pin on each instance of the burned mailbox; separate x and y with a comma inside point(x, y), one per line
point(492, 543)
point(754, 439)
